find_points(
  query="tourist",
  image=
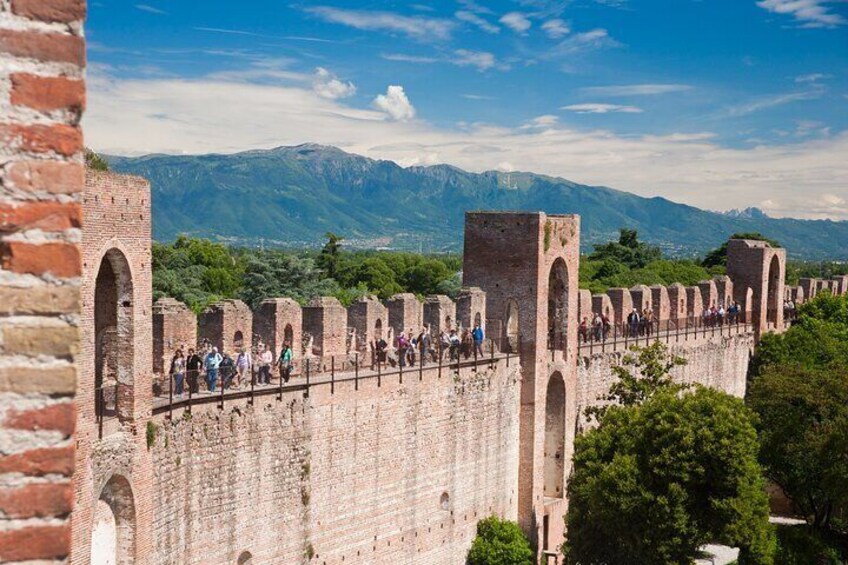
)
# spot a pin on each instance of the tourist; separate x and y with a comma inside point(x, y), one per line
point(477, 334)
point(244, 362)
point(424, 344)
point(194, 364)
point(266, 359)
point(402, 346)
point(227, 371)
point(633, 323)
point(607, 324)
point(382, 350)
point(466, 343)
point(212, 362)
point(455, 344)
point(597, 327)
point(648, 321)
point(444, 344)
point(285, 362)
point(583, 329)
point(410, 351)
point(178, 367)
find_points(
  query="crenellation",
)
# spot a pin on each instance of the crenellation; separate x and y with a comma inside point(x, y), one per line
point(227, 325)
point(678, 302)
point(601, 304)
point(694, 302)
point(439, 313)
point(584, 301)
point(709, 293)
point(640, 295)
point(370, 319)
point(277, 321)
point(325, 320)
point(174, 327)
point(661, 303)
point(471, 307)
point(622, 304)
point(405, 313)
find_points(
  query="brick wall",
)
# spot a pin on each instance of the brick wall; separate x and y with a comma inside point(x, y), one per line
point(228, 325)
point(174, 326)
point(42, 96)
point(396, 474)
point(116, 290)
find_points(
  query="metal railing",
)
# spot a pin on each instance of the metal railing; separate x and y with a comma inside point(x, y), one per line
point(329, 371)
point(612, 336)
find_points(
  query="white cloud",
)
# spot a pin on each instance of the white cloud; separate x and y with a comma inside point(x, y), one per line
point(810, 13)
point(588, 40)
point(156, 114)
point(480, 59)
point(812, 77)
point(416, 27)
point(556, 29)
point(635, 89)
point(150, 9)
point(327, 85)
point(477, 97)
point(226, 31)
point(765, 102)
point(408, 58)
point(596, 108)
point(544, 121)
point(395, 103)
point(516, 21)
point(472, 18)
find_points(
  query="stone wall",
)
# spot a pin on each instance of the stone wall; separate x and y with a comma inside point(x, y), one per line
point(396, 474)
point(712, 360)
point(42, 96)
point(174, 327)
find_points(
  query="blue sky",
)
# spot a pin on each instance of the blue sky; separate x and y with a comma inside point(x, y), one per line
point(721, 104)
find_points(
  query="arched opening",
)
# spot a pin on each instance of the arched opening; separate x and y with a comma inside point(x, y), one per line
point(444, 501)
point(555, 437)
point(113, 528)
point(238, 339)
point(246, 558)
point(113, 338)
point(478, 320)
point(448, 322)
point(773, 301)
point(558, 305)
point(288, 336)
point(378, 329)
point(511, 325)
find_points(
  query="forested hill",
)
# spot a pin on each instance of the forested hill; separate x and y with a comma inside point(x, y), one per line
point(294, 195)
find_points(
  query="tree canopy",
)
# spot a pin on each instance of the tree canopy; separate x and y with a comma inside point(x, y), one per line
point(718, 256)
point(799, 390)
point(500, 542)
point(666, 471)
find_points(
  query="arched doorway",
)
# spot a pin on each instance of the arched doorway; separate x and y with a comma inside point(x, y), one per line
point(246, 558)
point(378, 329)
point(558, 305)
point(478, 320)
point(554, 437)
point(288, 336)
point(773, 301)
point(113, 527)
point(113, 337)
point(511, 325)
point(238, 339)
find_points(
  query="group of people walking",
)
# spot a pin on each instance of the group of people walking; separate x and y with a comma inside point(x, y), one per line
point(423, 347)
point(216, 369)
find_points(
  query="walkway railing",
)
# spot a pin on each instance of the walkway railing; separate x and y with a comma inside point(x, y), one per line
point(328, 371)
point(613, 337)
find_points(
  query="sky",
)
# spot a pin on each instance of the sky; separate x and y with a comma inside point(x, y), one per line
point(720, 104)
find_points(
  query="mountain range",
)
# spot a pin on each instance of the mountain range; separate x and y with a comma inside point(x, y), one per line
point(292, 196)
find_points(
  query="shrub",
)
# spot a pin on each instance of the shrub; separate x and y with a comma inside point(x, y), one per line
point(803, 545)
point(500, 542)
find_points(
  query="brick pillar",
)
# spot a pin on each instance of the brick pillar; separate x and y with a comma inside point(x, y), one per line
point(228, 324)
point(694, 302)
point(41, 177)
point(405, 313)
point(439, 313)
point(325, 319)
point(622, 304)
point(471, 307)
point(602, 304)
point(370, 319)
point(641, 296)
point(661, 303)
point(810, 287)
point(678, 309)
point(276, 320)
point(709, 293)
point(724, 289)
point(584, 301)
point(174, 326)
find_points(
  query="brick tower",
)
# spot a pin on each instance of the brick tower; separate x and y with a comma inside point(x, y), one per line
point(758, 267)
point(527, 264)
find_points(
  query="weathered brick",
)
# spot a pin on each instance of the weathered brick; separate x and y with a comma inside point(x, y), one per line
point(62, 11)
point(46, 299)
point(45, 47)
point(60, 380)
point(47, 176)
point(40, 462)
point(46, 216)
point(47, 93)
point(37, 500)
point(60, 138)
point(35, 542)
point(57, 258)
point(35, 340)
point(56, 417)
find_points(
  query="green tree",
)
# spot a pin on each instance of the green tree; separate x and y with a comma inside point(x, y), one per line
point(500, 542)
point(271, 274)
point(655, 481)
point(328, 259)
point(94, 161)
point(627, 250)
point(803, 415)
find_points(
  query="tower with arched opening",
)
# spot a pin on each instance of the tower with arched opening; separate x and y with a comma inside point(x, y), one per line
point(527, 265)
point(757, 266)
